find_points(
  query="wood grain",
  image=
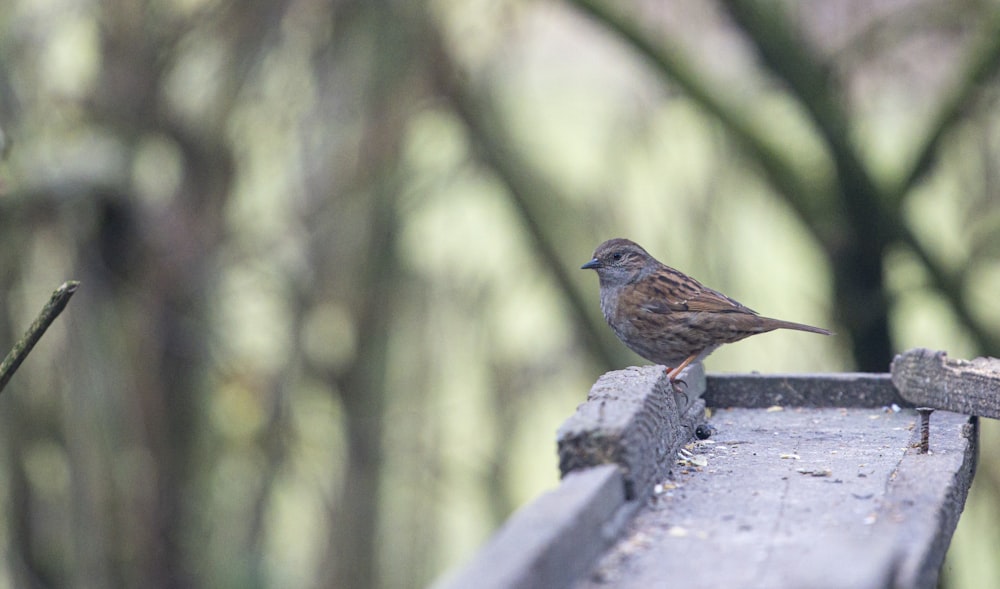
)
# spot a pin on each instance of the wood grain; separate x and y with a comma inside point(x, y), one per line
point(929, 378)
point(632, 418)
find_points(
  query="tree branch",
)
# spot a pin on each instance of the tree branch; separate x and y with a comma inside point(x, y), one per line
point(798, 191)
point(950, 284)
point(23, 347)
point(529, 192)
point(788, 56)
point(982, 62)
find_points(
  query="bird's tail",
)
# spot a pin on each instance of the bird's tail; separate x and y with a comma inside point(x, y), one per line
point(780, 324)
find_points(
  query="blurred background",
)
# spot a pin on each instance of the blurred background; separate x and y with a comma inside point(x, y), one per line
point(331, 312)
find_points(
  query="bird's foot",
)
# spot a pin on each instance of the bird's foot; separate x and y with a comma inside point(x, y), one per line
point(680, 388)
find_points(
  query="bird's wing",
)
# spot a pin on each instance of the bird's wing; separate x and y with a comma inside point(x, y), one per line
point(669, 291)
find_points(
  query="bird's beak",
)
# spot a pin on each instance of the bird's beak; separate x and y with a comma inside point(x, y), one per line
point(591, 265)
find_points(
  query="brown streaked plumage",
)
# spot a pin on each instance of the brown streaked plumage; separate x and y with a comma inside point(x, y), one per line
point(666, 316)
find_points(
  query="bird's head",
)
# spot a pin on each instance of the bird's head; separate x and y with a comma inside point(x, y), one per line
point(618, 261)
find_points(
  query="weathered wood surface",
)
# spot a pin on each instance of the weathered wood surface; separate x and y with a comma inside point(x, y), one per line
point(930, 379)
point(851, 389)
point(552, 541)
point(802, 497)
point(634, 419)
point(617, 445)
point(803, 493)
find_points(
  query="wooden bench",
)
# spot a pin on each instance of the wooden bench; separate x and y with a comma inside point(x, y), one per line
point(805, 481)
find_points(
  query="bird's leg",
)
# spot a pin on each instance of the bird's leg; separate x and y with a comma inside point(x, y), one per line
point(673, 373)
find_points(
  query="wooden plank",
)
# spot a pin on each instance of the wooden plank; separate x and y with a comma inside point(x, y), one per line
point(552, 541)
point(851, 389)
point(929, 379)
point(806, 495)
point(926, 496)
point(633, 418)
point(802, 497)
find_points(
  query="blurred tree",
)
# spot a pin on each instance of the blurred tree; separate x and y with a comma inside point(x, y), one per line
point(331, 311)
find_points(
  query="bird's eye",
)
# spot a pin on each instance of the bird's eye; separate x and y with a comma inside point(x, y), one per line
point(617, 257)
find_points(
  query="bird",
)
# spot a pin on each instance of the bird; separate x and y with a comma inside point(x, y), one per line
point(666, 316)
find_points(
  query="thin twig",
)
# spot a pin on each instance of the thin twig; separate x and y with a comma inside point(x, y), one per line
point(23, 347)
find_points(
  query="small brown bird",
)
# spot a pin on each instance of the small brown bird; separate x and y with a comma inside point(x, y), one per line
point(666, 316)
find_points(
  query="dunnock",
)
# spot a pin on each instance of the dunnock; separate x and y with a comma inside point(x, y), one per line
point(666, 316)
